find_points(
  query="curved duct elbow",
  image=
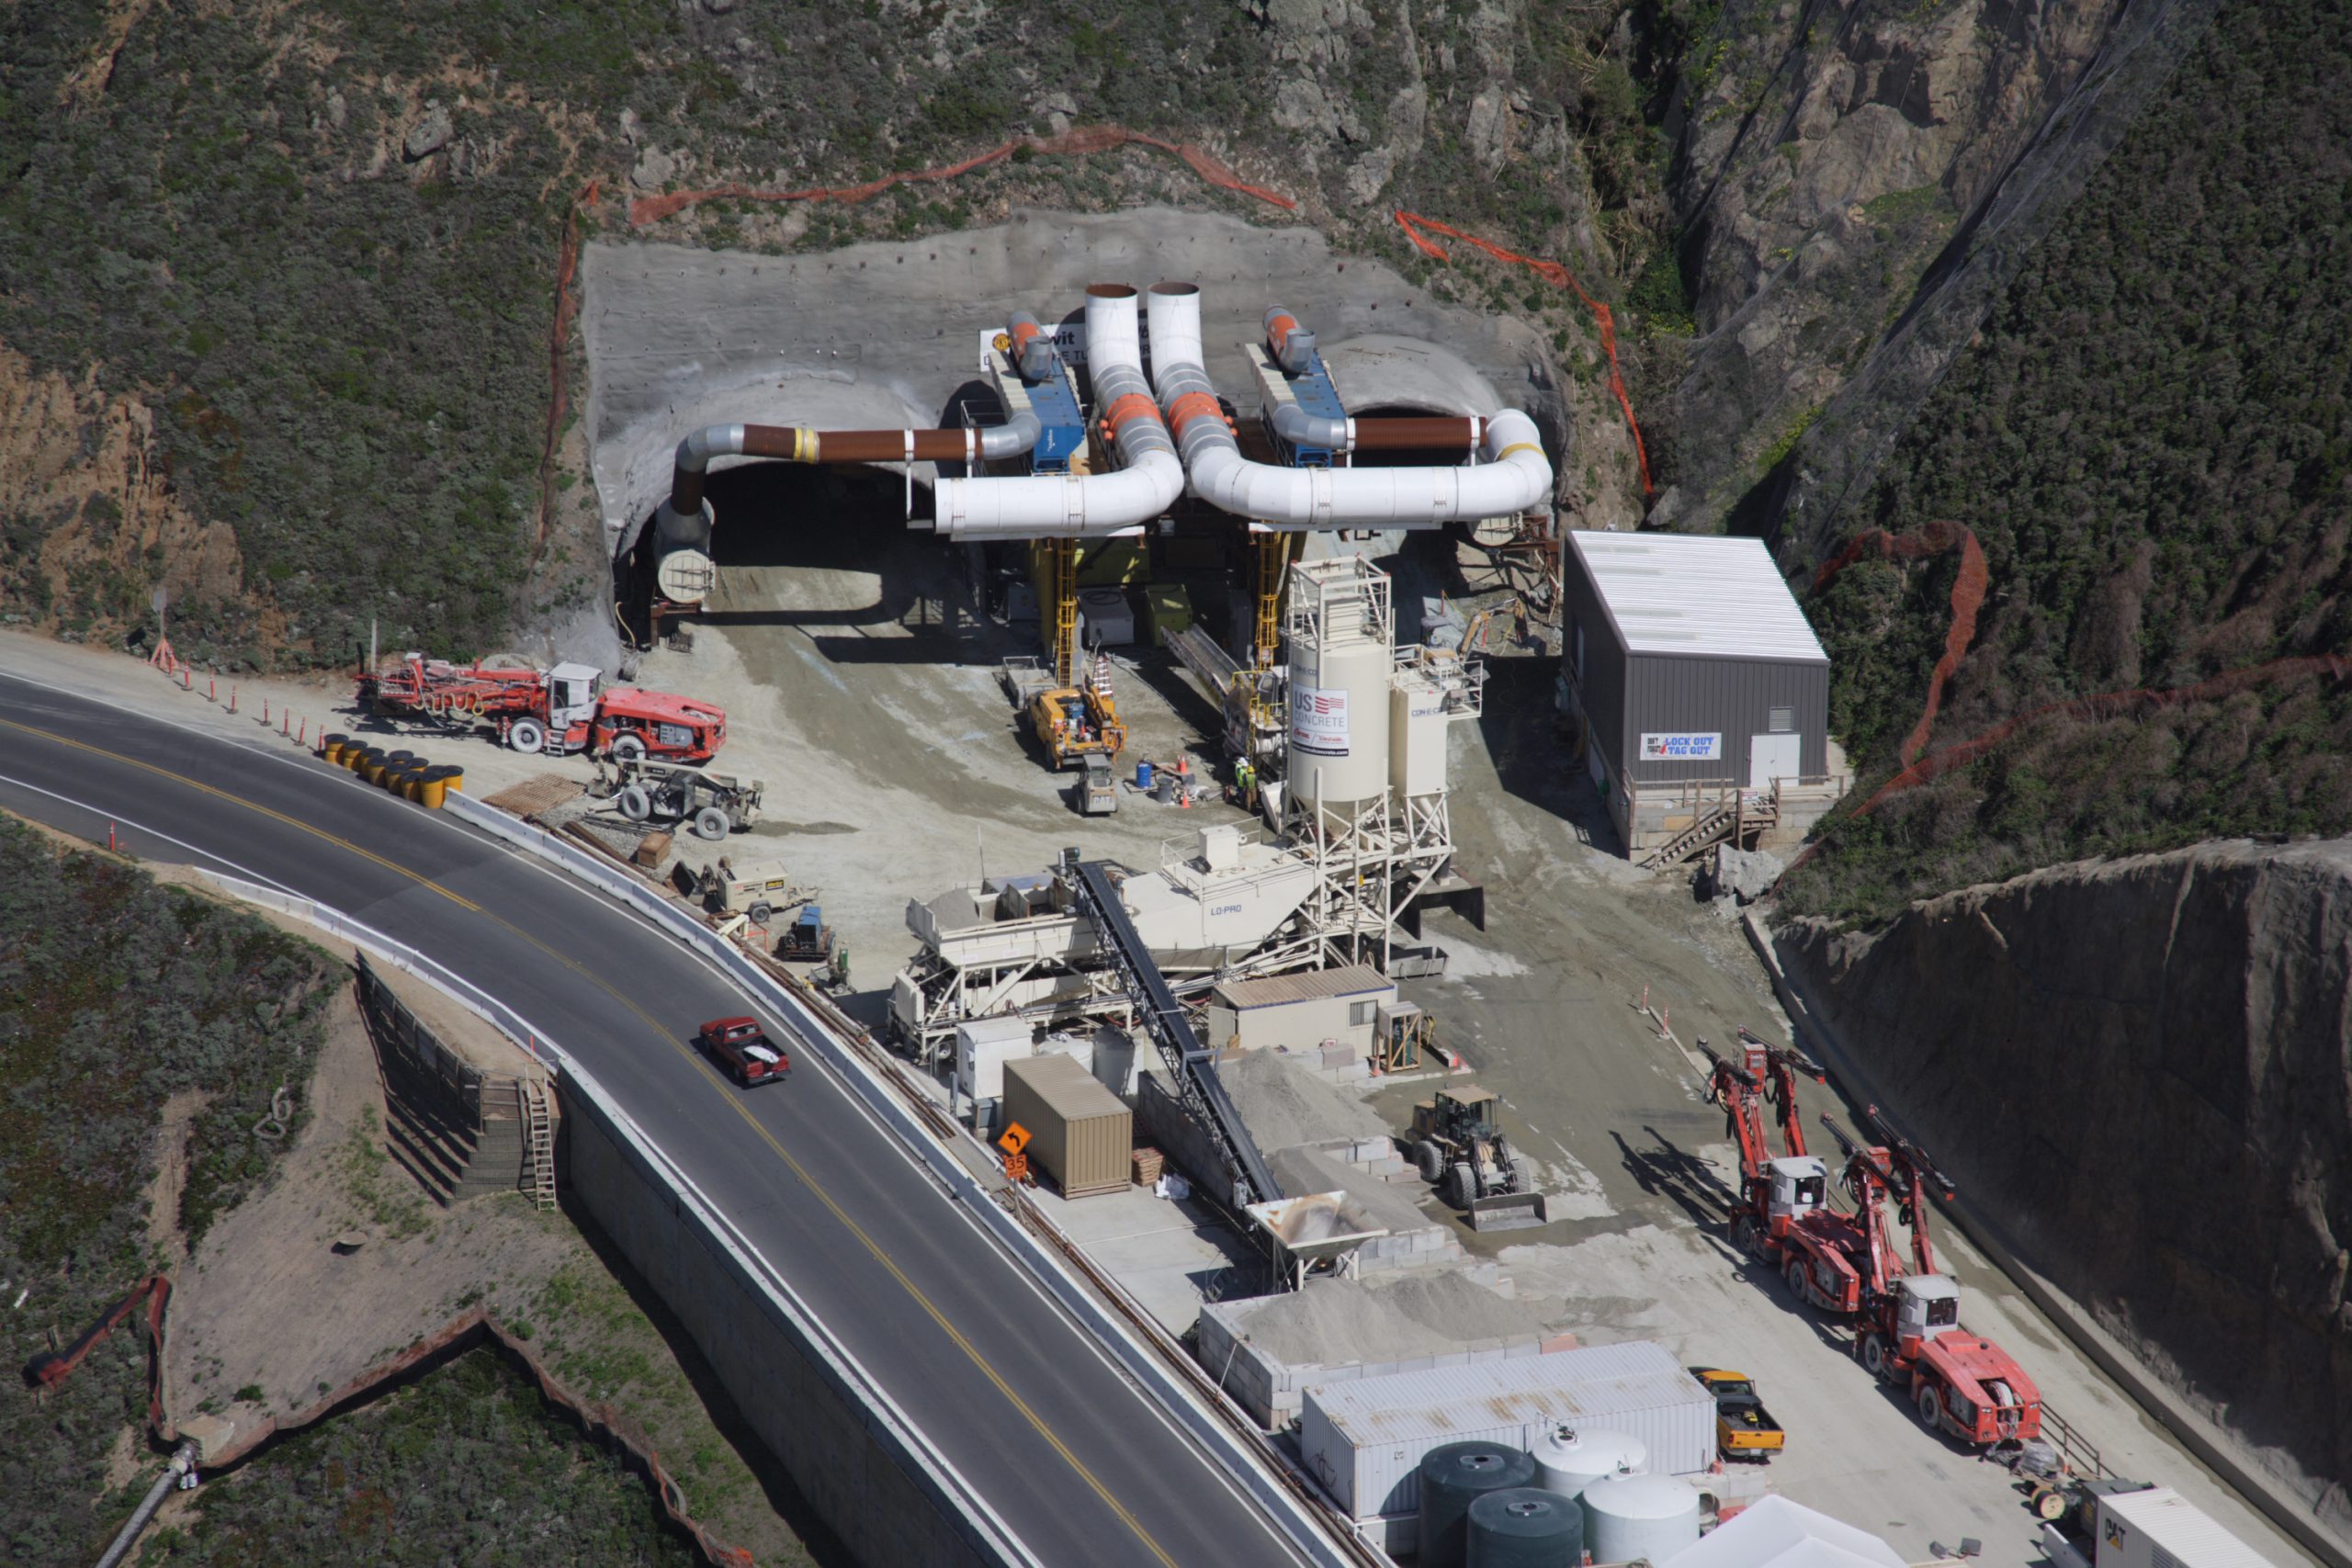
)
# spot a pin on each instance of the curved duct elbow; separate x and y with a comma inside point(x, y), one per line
point(1298, 427)
point(1058, 506)
point(1046, 506)
point(1012, 438)
point(1291, 346)
point(1515, 476)
point(1033, 352)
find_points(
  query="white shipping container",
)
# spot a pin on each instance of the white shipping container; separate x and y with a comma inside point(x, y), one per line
point(2161, 1529)
point(1364, 1439)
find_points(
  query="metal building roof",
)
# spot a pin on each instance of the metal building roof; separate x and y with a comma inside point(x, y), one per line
point(1696, 593)
point(1313, 984)
point(1593, 1382)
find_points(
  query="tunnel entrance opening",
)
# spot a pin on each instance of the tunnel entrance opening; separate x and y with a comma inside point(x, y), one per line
point(816, 546)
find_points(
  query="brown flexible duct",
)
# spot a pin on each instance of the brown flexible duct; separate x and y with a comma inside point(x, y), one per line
point(799, 444)
point(1417, 434)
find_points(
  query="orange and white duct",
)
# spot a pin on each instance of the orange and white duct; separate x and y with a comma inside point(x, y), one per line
point(1144, 486)
point(1515, 476)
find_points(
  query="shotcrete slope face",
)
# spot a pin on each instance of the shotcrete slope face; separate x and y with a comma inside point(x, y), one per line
point(881, 336)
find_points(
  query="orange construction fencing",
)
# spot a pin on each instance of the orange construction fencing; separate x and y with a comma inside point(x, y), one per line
point(1967, 597)
point(567, 265)
point(1559, 277)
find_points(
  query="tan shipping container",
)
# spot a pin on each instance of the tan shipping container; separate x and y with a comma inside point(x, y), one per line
point(1080, 1133)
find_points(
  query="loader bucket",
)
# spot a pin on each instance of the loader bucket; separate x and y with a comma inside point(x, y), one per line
point(1509, 1212)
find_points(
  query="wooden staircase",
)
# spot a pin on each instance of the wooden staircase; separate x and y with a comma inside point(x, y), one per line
point(1734, 820)
point(538, 1140)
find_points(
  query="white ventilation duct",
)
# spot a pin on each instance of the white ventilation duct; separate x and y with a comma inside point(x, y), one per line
point(1069, 506)
point(1515, 476)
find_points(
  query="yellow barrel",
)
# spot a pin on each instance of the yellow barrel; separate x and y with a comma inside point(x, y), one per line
point(356, 757)
point(457, 779)
point(407, 781)
point(435, 787)
point(372, 763)
point(331, 747)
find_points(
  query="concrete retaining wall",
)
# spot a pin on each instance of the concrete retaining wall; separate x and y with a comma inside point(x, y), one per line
point(862, 1465)
point(856, 1477)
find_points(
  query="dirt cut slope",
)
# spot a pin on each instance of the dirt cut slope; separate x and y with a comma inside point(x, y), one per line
point(2145, 1066)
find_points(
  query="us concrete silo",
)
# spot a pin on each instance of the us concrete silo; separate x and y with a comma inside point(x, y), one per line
point(1340, 629)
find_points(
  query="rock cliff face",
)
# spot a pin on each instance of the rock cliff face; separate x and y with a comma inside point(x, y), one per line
point(2143, 1070)
point(1827, 152)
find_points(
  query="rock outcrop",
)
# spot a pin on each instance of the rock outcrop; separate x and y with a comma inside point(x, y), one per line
point(2142, 1070)
point(1827, 153)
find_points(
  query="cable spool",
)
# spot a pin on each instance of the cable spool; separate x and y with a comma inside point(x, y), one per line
point(1525, 1527)
point(1451, 1478)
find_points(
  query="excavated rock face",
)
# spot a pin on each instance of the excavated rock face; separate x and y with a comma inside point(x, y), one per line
point(1828, 152)
point(2143, 1071)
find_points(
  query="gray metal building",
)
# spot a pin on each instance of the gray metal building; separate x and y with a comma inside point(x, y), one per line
point(1704, 694)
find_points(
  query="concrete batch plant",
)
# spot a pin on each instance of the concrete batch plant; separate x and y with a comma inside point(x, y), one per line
point(1702, 692)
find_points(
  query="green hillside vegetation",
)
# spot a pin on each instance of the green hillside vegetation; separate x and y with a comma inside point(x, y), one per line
point(117, 993)
point(2152, 443)
point(467, 1465)
point(341, 325)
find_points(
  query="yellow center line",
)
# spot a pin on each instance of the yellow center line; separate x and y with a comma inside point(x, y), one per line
point(931, 1309)
point(167, 773)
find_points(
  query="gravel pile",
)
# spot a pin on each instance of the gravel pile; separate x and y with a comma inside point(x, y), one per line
point(1285, 1106)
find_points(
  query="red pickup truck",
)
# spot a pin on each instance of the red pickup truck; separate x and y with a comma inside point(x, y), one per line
point(743, 1048)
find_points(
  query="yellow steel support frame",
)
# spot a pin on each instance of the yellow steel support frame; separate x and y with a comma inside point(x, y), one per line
point(1274, 553)
point(1065, 580)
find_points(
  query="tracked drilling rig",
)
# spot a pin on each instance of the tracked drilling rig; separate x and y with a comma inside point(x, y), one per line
point(1909, 1330)
point(1783, 1217)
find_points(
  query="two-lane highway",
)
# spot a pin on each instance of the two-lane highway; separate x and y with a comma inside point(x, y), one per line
point(1081, 1466)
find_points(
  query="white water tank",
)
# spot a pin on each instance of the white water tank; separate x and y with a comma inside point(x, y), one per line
point(1650, 1517)
point(1570, 1459)
point(1417, 734)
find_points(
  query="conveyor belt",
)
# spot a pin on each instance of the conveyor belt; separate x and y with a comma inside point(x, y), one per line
point(1163, 1017)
